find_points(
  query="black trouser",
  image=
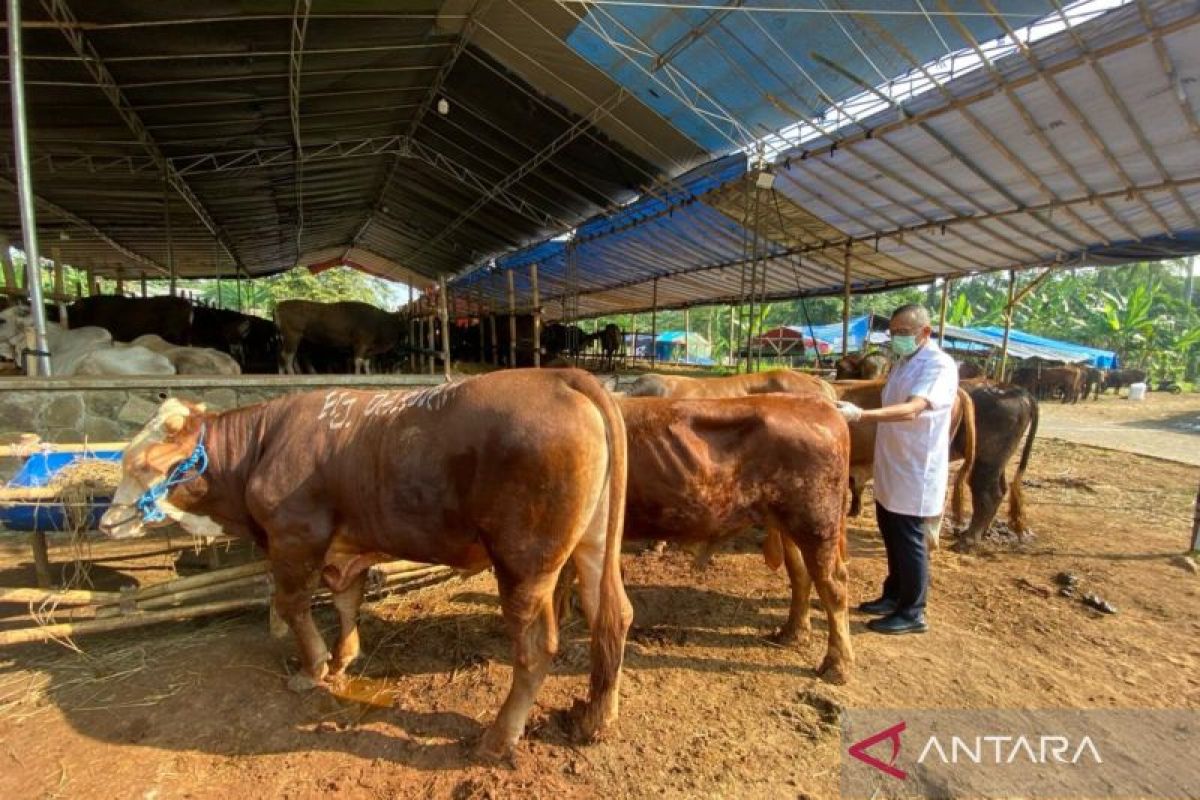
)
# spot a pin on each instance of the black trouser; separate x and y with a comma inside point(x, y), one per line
point(907, 581)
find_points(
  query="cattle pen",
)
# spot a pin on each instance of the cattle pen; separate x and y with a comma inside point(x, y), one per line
point(552, 184)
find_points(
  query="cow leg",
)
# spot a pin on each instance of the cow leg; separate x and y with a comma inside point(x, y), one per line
point(986, 493)
point(293, 602)
point(856, 493)
point(832, 580)
point(528, 608)
point(798, 627)
point(347, 603)
point(608, 630)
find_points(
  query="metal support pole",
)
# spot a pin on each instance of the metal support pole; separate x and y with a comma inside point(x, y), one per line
point(237, 279)
point(170, 240)
point(217, 272)
point(846, 302)
point(537, 315)
point(16, 75)
point(1008, 315)
point(444, 314)
point(512, 320)
point(942, 316)
point(479, 309)
point(654, 325)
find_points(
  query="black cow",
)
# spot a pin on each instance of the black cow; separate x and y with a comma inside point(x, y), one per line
point(1093, 382)
point(559, 339)
point(1002, 415)
point(253, 341)
point(610, 343)
point(1120, 378)
point(127, 318)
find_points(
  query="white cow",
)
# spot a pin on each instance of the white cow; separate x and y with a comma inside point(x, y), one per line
point(190, 360)
point(78, 351)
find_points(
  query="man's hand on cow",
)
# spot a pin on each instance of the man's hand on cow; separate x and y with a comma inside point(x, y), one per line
point(851, 412)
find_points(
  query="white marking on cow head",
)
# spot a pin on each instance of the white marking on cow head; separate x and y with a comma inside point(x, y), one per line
point(165, 441)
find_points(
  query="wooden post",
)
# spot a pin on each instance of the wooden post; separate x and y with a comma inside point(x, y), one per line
point(654, 324)
point(1196, 524)
point(512, 320)
point(479, 310)
point(444, 314)
point(687, 331)
point(414, 340)
point(11, 288)
point(846, 303)
point(495, 343)
point(1008, 315)
point(431, 338)
point(537, 315)
point(41, 557)
point(144, 287)
point(120, 284)
point(732, 357)
point(942, 318)
point(60, 289)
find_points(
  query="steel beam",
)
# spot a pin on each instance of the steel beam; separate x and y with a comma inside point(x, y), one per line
point(60, 13)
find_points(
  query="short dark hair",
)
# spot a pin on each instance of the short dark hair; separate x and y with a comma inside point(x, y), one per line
point(915, 309)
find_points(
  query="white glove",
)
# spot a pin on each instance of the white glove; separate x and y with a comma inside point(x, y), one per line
point(851, 412)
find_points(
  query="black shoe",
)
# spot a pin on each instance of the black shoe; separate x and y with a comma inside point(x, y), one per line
point(879, 608)
point(896, 625)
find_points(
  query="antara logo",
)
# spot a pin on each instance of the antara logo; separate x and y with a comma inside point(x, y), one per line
point(892, 734)
point(995, 749)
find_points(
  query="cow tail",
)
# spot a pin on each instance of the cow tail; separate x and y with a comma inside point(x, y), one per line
point(1016, 496)
point(967, 428)
point(613, 612)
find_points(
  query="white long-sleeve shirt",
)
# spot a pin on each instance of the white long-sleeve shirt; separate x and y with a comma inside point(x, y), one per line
point(912, 458)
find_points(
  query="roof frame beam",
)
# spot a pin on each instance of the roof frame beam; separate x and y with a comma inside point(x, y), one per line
point(91, 228)
point(469, 25)
point(68, 25)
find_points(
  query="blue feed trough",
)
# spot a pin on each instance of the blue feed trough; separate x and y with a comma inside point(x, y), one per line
point(37, 471)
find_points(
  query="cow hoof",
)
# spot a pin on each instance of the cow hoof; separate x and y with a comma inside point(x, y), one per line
point(303, 682)
point(493, 749)
point(586, 727)
point(963, 545)
point(789, 637)
point(834, 671)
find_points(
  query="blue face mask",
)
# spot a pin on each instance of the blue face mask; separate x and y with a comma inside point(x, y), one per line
point(904, 345)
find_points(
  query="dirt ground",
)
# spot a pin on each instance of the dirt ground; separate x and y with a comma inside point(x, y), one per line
point(709, 707)
point(1162, 425)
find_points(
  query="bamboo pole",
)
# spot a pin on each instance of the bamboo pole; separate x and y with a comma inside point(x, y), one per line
point(654, 325)
point(512, 320)
point(177, 585)
point(942, 316)
point(43, 633)
point(444, 315)
point(431, 339)
point(65, 597)
point(537, 315)
point(23, 450)
point(687, 331)
point(495, 344)
point(1008, 315)
point(846, 302)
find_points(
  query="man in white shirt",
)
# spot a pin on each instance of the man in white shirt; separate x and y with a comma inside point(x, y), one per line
point(912, 446)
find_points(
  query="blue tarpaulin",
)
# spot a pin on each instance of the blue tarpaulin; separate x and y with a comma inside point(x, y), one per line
point(1075, 353)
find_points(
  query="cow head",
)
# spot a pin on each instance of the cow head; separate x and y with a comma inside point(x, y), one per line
point(13, 322)
point(164, 462)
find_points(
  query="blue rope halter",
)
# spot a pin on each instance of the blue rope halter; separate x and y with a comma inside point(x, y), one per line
point(196, 464)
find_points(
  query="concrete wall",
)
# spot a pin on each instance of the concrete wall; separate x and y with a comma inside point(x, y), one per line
point(112, 409)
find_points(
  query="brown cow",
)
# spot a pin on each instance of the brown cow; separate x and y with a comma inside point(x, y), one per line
point(968, 370)
point(518, 470)
point(1045, 383)
point(359, 327)
point(704, 470)
point(862, 366)
point(777, 380)
point(869, 394)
